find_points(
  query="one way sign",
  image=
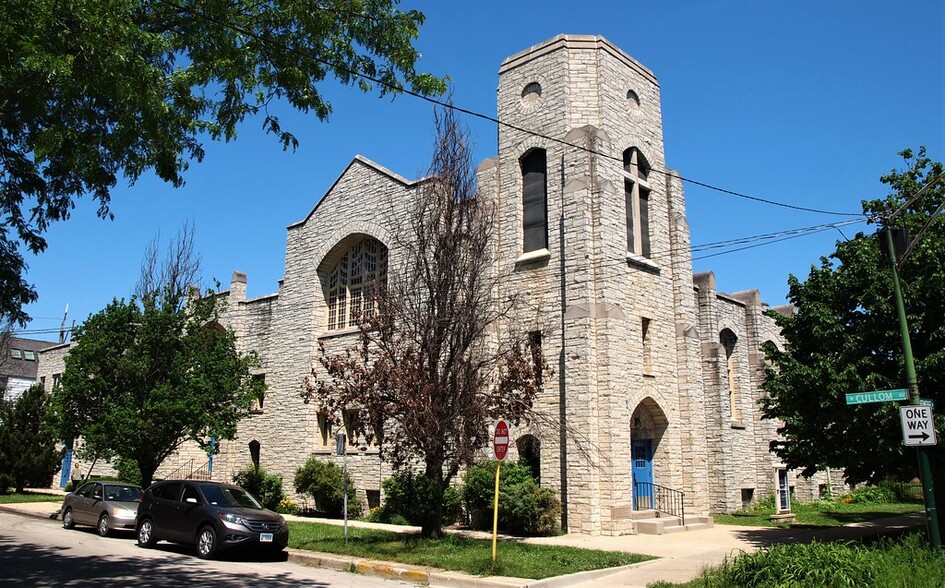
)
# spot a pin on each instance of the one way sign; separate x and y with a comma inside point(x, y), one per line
point(918, 426)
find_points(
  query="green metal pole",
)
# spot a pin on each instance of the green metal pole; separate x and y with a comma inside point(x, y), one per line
point(925, 469)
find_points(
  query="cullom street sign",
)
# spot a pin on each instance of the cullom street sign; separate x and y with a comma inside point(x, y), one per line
point(877, 396)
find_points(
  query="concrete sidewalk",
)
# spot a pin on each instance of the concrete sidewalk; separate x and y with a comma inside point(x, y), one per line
point(683, 556)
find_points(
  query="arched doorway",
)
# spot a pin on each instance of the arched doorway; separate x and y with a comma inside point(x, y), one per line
point(647, 426)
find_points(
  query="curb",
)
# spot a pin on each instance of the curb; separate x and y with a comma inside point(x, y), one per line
point(24, 513)
point(383, 569)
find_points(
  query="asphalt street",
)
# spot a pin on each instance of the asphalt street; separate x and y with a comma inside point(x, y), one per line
point(36, 552)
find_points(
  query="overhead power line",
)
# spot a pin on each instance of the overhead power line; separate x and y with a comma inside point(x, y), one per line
point(400, 89)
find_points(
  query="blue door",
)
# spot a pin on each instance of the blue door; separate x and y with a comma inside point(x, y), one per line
point(641, 454)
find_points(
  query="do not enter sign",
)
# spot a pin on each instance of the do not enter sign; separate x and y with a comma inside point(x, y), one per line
point(500, 439)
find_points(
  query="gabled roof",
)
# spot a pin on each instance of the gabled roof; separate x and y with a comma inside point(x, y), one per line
point(20, 357)
point(360, 160)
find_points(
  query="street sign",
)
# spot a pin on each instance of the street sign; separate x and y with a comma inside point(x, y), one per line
point(500, 439)
point(877, 396)
point(927, 402)
point(918, 425)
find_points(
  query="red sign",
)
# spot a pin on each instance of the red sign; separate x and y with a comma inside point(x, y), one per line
point(500, 440)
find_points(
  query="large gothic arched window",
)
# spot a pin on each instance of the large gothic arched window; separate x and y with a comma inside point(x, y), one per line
point(350, 283)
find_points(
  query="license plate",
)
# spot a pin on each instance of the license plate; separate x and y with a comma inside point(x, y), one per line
point(265, 537)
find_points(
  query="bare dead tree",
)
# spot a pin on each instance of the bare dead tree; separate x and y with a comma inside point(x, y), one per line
point(436, 362)
point(166, 279)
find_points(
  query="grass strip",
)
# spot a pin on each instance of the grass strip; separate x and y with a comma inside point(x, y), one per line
point(29, 497)
point(472, 556)
point(821, 514)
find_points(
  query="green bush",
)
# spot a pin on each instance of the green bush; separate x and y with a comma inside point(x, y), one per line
point(408, 498)
point(324, 482)
point(127, 470)
point(525, 508)
point(907, 561)
point(870, 494)
point(266, 487)
point(6, 483)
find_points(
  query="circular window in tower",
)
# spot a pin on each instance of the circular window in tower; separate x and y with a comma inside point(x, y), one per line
point(531, 94)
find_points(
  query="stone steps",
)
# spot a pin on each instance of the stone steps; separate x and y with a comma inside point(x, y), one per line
point(665, 525)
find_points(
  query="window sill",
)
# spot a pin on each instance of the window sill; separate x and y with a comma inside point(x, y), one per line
point(642, 263)
point(339, 333)
point(533, 257)
point(738, 425)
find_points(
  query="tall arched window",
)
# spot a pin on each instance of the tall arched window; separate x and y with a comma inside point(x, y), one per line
point(350, 283)
point(534, 200)
point(637, 192)
point(729, 341)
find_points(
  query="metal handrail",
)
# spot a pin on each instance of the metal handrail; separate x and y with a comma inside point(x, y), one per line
point(647, 495)
point(178, 473)
point(201, 473)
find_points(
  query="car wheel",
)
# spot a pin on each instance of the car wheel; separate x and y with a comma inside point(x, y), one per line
point(67, 522)
point(206, 543)
point(146, 534)
point(103, 525)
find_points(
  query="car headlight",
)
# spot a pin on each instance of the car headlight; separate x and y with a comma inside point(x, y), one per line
point(232, 518)
point(123, 513)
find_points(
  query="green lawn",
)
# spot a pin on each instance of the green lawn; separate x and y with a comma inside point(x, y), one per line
point(472, 556)
point(821, 514)
point(30, 497)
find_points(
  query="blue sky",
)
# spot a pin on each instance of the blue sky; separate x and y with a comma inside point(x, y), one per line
point(802, 102)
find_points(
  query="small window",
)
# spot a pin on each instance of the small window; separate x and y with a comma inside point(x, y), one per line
point(259, 384)
point(534, 344)
point(748, 494)
point(532, 89)
point(29, 355)
point(534, 201)
point(633, 98)
point(324, 427)
point(647, 343)
point(637, 193)
point(169, 491)
point(191, 493)
point(56, 378)
point(16, 353)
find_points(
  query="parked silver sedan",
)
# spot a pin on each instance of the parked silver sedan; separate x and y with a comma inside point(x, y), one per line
point(103, 505)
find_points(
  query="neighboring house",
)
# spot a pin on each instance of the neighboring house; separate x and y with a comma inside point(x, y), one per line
point(19, 364)
point(656, 374)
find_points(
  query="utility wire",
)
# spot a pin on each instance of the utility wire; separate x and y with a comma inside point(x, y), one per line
point(400, 89)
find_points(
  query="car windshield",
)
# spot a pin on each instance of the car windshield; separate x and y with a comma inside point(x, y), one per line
point(230, 496)
point(122, 493)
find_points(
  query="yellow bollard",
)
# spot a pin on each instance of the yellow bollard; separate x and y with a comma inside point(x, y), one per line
point(495, 509)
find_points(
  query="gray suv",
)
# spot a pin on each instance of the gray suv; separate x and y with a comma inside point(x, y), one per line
point(210, 515)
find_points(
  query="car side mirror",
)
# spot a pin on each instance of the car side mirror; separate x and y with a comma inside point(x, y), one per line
point(191, 500)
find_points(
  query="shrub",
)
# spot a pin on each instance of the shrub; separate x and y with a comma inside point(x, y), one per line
point(874, 494)
point(408, 497)
point(266, 487)
point(525, 508)
point(6, 482)
point(127, 470)
point(287, 506)
point(324, 482)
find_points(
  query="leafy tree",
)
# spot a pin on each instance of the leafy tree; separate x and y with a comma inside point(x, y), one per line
point(97, 91)
point(844, 337)
point(147, 374)
point(433, 366)
point(28, 452)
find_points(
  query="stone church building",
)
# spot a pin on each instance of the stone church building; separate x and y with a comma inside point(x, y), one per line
point(656, 374)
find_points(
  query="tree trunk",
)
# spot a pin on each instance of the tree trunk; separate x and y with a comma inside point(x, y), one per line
point(432, 525)
point(147, 474)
